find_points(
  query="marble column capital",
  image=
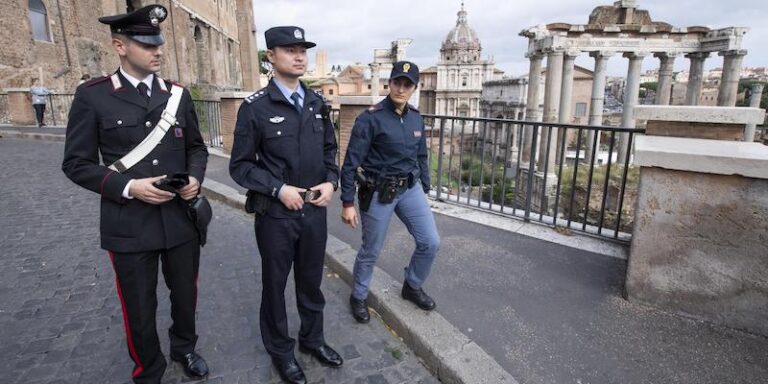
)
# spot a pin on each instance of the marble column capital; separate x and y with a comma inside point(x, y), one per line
point(601, 54)
point(666, 55)
point(697, 55)
point(535, 55)
point(554, 51)
point(635, 55)
point(572, 54)
point(733, 52)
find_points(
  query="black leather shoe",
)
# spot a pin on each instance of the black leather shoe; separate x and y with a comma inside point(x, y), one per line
point(359, 310)
point(290, 371)
point(325, 354)
point(194, 365)
point(418, 297)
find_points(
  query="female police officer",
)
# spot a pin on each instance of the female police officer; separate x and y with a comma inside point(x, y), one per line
point(388, 143)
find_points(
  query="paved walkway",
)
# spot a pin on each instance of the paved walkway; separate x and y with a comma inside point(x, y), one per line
point(60, 318)
point(554, 314)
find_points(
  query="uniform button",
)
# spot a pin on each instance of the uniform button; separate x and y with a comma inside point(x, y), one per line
point(279, 133)
point(148, 124)
point(119, 122)
point(310, 108)
point(155, 162)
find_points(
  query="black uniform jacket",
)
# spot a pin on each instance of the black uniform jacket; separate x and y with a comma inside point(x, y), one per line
point(275, 145)
point(107, 120)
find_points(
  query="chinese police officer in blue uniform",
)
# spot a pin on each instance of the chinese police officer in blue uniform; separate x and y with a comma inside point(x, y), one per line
point(284, 153)
point(142, 224)
point(388, 143)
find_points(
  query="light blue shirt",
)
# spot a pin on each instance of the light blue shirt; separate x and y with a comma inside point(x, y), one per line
point(287, 92)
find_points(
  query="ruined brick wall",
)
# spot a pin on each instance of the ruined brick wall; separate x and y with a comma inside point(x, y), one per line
point(79, 44)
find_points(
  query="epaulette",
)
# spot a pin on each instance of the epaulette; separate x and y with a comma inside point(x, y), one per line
point(256, 95)
point(375, 108)
point(320, 95)
point(94, 81)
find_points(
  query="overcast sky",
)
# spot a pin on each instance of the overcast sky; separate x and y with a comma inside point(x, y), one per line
point(349, 30)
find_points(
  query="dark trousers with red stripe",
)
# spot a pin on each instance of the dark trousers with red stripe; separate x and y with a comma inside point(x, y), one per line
point(284, 243)
point(136, 275)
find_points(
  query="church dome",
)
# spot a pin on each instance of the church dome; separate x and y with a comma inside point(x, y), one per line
point(462, 36)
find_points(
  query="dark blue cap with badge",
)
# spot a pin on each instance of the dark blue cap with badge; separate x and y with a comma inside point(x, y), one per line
point(287, 35)
point(405, 69)
point(142, 25)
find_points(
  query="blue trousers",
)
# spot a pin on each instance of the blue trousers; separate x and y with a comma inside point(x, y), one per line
point(413, 210)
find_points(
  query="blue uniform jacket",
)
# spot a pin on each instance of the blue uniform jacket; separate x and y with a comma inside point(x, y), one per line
point(385, 143)
point(275, 145)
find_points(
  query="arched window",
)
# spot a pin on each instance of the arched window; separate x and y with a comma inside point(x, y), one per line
point(38, 20)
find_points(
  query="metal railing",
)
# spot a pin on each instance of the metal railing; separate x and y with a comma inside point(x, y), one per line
point(575, 181)
point(209, 119)
point(57, 111)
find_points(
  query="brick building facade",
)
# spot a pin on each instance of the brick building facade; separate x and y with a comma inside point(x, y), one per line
point(210, 45)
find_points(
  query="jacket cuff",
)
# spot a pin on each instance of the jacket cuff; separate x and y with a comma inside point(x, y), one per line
point(347, 204)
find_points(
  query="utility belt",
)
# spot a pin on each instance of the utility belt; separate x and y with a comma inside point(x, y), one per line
point(388, 187)
point(258, 203)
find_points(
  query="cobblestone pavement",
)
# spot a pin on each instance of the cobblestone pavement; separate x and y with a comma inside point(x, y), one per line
point(60, 318)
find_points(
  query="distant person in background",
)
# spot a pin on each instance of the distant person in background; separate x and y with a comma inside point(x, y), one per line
point(84, 78)
point(39, 99)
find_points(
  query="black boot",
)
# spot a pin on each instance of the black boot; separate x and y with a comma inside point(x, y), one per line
point(418, 297)
point(359, 310)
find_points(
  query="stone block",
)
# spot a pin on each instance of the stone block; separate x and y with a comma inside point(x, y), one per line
point(20, 107)
point(699, 247)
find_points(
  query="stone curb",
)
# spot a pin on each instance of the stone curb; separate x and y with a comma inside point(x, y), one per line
point(447, 352)
point(32, 135)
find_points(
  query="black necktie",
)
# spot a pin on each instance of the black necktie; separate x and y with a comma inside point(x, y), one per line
point(143, 89)
point(296, 102)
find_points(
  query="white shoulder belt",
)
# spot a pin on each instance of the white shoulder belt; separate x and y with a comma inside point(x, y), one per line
point(167, 120)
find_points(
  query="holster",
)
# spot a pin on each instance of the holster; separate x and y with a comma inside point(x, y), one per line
point(365, 190)
point(257, 203)
point(200, 213)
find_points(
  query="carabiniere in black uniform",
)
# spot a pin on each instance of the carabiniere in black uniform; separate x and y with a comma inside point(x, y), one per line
point(275, 145)
point(108, 118)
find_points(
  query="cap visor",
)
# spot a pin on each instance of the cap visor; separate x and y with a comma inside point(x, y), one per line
point(149, 39)
point(405, 75)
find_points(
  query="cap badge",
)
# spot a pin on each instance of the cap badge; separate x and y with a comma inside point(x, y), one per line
point(406, 67)
point(297, 34)
point(155, 15)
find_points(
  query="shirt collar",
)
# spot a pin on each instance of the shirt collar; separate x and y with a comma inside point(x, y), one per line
point(135, 82)
point(287, 92)
point(387, 102)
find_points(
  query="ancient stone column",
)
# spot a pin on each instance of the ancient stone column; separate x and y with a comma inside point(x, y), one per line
point(374, 82)
point(598, 97)
point(566, 98)
point(532, 102)
point(729, 83)
point(552, 88)
point(754, 102)
point(695, 77)
point(664, 85)
point(631, 93)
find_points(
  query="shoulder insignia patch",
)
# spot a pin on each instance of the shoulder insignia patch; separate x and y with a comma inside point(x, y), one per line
point(95, 81)
point(255, 96)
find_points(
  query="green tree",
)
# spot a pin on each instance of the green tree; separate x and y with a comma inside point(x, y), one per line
point(264, 64)
point(745, 85)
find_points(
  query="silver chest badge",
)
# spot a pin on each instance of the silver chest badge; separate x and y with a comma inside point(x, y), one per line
point(276, 119)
